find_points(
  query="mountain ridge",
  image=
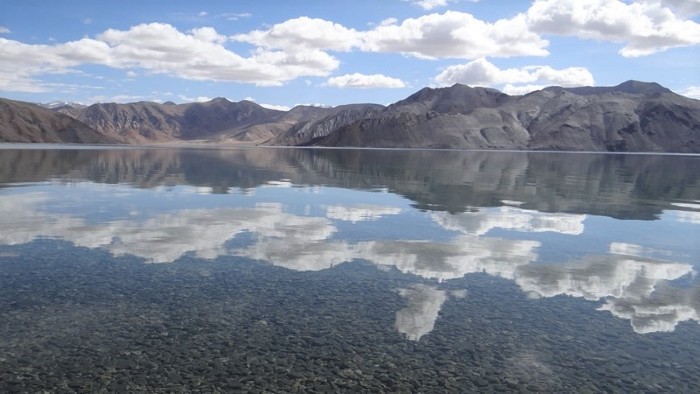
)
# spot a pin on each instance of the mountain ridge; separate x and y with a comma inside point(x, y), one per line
point(632, 116)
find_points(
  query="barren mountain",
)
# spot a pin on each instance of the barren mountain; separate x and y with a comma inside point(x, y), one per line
point(152, 122)
point(25, 122)
point(322, 122)
point(633, 116)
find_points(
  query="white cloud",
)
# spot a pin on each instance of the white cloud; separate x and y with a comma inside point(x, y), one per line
point(276, 107)
point(683, 8)
point(4, 30)
point(645, 27)
point(518, 90)
point(234, 16)
point(202, 14)
point(268, 106)
point(118, 98)
point(481, 72)
point(456, 35)
point(357, 80)
point(20, 63)
point(303, 32)
point(388, 21)
point(159, 48)
point(430, 4)
point(692, 92)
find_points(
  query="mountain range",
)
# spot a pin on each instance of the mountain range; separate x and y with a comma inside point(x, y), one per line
point(633, 116)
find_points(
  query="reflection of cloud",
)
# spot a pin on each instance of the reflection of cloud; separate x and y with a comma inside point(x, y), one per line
point(442, 261)
point(463, 255)
point(360, 213)
point(598, 277)
point(659, 313)
point(161, 238)
point(692, 216)
point(627, 280)
point(510, 218)
point(636, 250)
point(291, 241)
point(19, 213)
point(299, 255)
point(418, 318)
point(424, 304)
point(687, 216)
point(626, 283)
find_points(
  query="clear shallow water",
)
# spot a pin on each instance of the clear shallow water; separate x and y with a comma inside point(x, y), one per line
point(348, 270)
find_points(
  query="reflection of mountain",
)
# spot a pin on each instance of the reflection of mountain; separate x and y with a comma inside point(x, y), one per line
point(621, 186)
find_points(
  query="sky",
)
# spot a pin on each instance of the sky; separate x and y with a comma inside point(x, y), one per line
point(319, 52)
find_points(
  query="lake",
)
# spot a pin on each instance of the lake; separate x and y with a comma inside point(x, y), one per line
point(316, 270)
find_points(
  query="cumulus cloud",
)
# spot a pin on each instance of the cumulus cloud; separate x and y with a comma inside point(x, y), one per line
point(303, 32)
point(692, 92)
point(456, 35)
point(276, 107)
point(684, 8)
point(19, 62)
point(430, 4)
point(481, 72)
point(4, 30)
point(645, 27)
point(199, 54)
point(364, 81)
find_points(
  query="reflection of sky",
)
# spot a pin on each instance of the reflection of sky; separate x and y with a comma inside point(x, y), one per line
point(621, 263)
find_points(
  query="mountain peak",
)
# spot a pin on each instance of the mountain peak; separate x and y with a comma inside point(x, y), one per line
point(219, 100)
point(629, 87)
point(638, 87)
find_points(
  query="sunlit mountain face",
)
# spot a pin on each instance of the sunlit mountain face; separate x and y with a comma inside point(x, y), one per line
point(420, 246)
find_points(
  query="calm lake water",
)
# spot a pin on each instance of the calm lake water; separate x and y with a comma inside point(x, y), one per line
point(300, 270)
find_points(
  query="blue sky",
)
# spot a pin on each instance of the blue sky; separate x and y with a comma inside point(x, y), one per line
point(284, 53)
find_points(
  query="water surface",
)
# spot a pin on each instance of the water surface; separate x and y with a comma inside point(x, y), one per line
point(264, 269)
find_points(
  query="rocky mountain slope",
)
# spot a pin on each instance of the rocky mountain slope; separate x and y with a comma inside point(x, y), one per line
point(153, 122)
point(632, 116)
point(25, 122)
